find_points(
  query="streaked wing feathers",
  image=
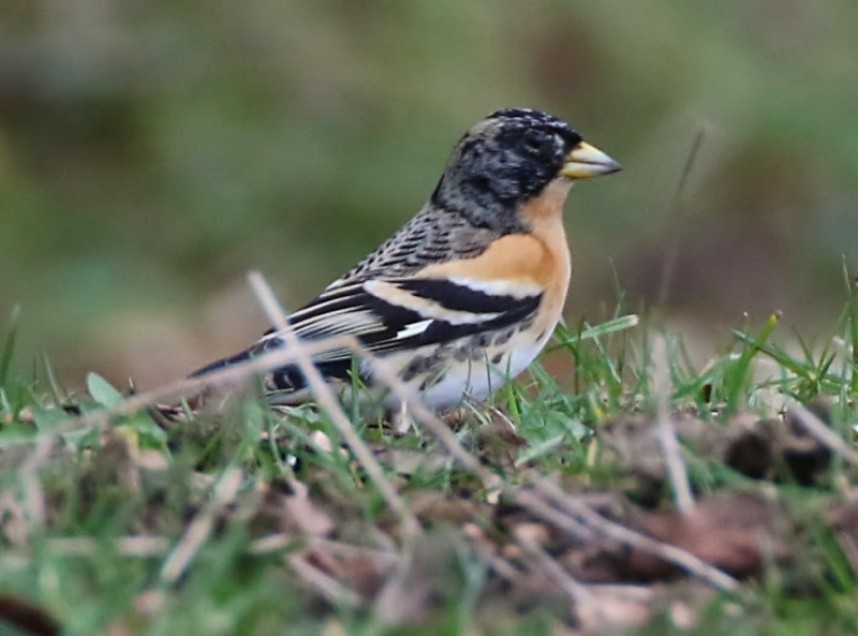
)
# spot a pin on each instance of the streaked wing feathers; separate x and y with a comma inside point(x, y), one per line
point(398, 314)
point(409, 312)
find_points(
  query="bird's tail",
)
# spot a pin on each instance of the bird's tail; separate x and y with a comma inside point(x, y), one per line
point(222, 363)
point(168, 414)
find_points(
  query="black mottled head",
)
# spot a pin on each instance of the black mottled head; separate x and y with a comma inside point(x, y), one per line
point(506, 159)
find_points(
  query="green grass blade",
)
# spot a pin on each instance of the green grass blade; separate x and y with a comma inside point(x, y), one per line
point(615, 325)
point(9, 344)
point(852, 309)
point(775, 354)
point(736, 377)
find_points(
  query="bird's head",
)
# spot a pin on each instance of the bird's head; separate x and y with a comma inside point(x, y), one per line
point(510, 157)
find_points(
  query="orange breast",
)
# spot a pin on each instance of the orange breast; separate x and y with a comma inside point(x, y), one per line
point(538, 259)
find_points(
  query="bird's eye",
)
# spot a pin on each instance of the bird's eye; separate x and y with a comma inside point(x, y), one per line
point(535, 141)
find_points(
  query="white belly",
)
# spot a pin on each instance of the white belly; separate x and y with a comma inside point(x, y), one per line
point(478, 379)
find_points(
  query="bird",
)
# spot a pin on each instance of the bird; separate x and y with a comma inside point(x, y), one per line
point(466, 294)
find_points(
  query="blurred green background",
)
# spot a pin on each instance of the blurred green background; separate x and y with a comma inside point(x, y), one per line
point(152, 152)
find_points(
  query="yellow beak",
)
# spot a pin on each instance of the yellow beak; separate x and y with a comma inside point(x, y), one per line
point(585, 161)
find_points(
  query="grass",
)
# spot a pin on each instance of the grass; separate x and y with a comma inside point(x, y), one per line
point(250, 521)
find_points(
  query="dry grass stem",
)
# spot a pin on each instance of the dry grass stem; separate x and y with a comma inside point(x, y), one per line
point(283, 541)
point(573, 588)
point(501, 566)
point(428, 419)
point(332, 590)
point(138, 546)
point(229, 376)
point(665, 430)
point(677, 205)
point(821, 431)
point(678, 557)
point(199, 529)
point(329, 403)
point(143, 546)
point(534, 504)
point(31, 484)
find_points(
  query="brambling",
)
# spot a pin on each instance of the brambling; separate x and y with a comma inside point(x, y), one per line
point(467, 293)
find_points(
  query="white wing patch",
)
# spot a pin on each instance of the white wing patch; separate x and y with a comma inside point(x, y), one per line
point(414, 329)
point(516, 289)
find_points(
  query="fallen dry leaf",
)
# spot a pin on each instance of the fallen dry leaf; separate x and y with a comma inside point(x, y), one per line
point(736, 533)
